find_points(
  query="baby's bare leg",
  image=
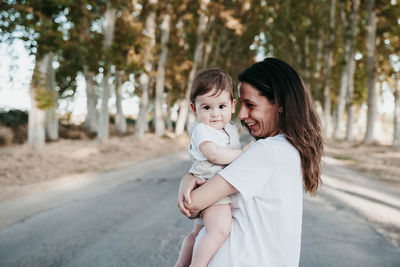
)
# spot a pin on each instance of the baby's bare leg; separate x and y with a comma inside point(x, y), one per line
point(185, 255)
point(218, 221)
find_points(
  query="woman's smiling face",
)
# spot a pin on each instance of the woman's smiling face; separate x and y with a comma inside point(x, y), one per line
point(257, 112)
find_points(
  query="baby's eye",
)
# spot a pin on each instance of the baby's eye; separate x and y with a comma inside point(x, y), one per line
point(207, 107)
point(222, 106)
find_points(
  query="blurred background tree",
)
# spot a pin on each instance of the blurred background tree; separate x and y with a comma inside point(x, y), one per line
point(346, 51)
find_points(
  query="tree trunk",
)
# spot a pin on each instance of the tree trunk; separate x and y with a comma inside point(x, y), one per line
point(183, 112)
point(347, 74)
point(344, 77)
point(328, 71)
point(120, 120)
point(169, 123)
point(141, 122)
point(51, 113)
point(91, 122)
point(37, 114)
point(298, 51)
point(307, 67)
point(158, 109)
point(349, 102)
point(209, 44)
point(150, 34)
point(92, 119)
point(103, 133)
point(220, 40)
point(318, 56)
point(317, 85)
point(371, 73)
point(351, 70)
point(396, 132)
point(207, 53)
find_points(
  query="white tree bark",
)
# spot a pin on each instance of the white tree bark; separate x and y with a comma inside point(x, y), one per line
point(37, 116)
point(307, 64)
point(396, 132)
point(198, 53)
point(371, 73)
point(92, 116)
point(120, 120)
point(350, 109)
point(328, 71)
point(170, 126)
point(347, 74)
point(221, 39)
point(209, 44)
point(103, 133)
point(91, 122)
point(344, 76)
point(144, 80)
point(160, 82)
point(51, 113)
point(207, 53)
point(351, 69)
point(141, 122)
point(318, 55)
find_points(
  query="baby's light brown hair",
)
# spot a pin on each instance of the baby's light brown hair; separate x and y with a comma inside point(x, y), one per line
point(209, 79)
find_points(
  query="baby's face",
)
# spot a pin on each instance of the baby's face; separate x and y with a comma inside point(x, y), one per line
point(214, 110)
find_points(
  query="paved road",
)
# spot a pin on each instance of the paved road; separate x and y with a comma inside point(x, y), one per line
point(129, 218)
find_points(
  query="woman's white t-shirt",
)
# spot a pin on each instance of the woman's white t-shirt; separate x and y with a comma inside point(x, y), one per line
point(267, 210)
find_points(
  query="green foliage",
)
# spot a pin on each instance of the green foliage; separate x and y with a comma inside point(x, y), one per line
point(360, 83)
point(13, 118)
point(237, 31)
point(45, 98)
point(343, 157)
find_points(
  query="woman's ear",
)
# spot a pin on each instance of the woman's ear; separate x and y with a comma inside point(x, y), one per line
point(193, 108)
point(280, 109)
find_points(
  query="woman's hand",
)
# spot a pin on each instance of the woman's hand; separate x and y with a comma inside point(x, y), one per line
point(188, 183)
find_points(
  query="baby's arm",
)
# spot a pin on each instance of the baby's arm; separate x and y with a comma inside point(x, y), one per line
point(218, 154)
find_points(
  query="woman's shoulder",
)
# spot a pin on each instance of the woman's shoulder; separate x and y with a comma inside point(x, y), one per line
point(278, 143)
point(279, 139)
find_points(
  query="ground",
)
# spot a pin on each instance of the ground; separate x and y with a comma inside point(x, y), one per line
point(20, 166)
point(380, 161)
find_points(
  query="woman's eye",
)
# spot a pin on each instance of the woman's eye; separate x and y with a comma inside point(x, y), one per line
point(249, 105)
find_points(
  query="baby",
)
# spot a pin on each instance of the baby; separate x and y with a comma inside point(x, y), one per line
point(214, 143)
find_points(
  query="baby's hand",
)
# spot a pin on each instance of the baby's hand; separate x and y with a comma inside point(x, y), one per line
point(246, 147)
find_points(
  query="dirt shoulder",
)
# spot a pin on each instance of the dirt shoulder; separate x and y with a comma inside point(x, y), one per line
point(20, 166)
point(381, 162)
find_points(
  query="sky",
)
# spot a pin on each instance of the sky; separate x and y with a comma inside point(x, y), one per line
point(16, 60)
point(14, 94)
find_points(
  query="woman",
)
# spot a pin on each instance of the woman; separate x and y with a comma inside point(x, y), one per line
point(267, 181)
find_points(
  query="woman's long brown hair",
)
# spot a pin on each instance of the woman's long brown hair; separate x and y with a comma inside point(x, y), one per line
point(298, 121)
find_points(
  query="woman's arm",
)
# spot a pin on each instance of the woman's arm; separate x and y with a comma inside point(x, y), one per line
point(202, 197)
